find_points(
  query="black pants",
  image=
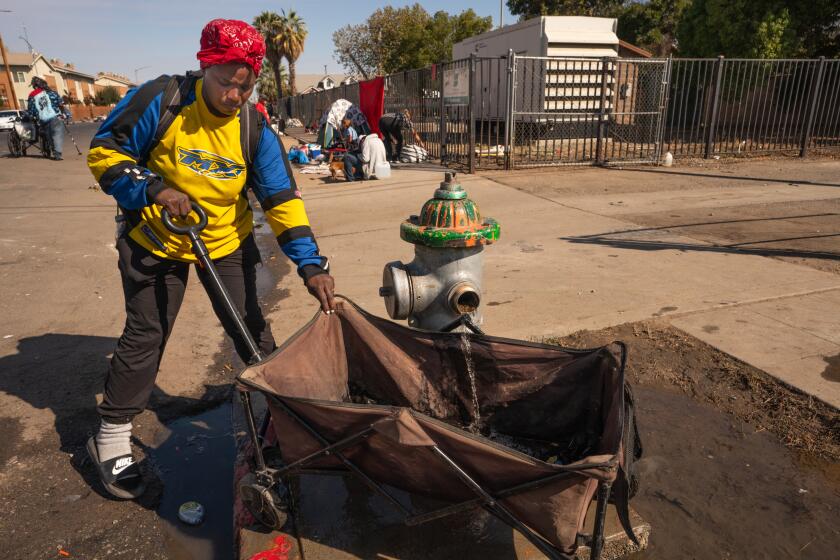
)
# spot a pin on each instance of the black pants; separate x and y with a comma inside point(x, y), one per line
point(391, 132)
point(154, 289)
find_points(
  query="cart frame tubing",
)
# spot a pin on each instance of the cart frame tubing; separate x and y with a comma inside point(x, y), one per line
point(199, 249)
point(271, 476)
point(483, 498)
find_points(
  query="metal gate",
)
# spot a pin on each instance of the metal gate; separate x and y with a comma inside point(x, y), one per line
point(579, 111)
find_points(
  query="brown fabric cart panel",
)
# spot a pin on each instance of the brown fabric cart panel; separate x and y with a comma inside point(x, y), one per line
point(573, 400)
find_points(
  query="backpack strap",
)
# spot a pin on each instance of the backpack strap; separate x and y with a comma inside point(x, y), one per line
point(251, 125)
point(171, 103)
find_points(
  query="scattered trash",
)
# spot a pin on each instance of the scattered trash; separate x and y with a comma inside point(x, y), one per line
point(62, 552)
point(669, 159)
point(71, 498)
point(8, 336)
point(191, 513)
point(803, 491)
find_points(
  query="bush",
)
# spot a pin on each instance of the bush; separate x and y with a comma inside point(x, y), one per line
point(109, 95)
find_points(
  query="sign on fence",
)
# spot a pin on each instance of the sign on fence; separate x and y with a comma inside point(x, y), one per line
point(456, 86)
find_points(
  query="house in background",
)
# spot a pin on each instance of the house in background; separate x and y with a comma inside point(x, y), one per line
point(105, 79)
point(309, 83)
point(78, 86)
point(25, 66)
point(74, 86)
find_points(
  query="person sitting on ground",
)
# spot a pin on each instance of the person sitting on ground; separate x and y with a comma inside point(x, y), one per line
point(372, 152)
point(352, 158)
point(349, 135)
point(47, 108)
point(200, 157)
point(391, 126)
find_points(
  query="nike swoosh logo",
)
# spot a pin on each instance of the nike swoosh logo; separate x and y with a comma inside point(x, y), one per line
point(115, 471)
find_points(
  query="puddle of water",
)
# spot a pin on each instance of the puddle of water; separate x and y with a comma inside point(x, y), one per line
point(194, 457)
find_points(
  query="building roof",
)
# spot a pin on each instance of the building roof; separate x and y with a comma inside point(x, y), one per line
point(114, 77)
point(28, 59)
point(306, 81)
point(22, 59)
point(67, 70)
point(638, 51)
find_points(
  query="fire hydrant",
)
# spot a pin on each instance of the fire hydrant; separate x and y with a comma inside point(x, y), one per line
point(444, 281)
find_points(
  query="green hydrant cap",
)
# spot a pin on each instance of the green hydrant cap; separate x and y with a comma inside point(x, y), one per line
point(450, 219)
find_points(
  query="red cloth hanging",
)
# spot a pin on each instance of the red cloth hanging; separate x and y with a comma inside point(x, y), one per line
point(372, 101)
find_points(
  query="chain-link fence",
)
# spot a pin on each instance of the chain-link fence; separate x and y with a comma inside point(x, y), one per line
point(521, 111)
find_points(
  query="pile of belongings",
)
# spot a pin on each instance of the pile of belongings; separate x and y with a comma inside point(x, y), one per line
point(304, 153)
point(413, 153)
point(294, 123)
point(330, 123)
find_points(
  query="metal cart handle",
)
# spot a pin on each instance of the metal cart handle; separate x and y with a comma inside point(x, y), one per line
point(185, 229)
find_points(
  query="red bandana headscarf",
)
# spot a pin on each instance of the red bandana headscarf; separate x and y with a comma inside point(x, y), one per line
point(231, 40)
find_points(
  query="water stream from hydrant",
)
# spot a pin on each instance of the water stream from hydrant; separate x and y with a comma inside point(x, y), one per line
point(475, 426)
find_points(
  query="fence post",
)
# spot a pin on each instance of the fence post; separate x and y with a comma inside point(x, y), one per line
point(509, 112)
point(816, 89)
point(713, 113)
point(602, 113)
point(471, 115)
point(665, 99)
point(442, 117)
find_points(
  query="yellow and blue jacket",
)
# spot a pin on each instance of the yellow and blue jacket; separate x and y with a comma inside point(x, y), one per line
point(201, 155)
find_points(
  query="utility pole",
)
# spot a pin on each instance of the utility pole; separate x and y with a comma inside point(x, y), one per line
point(501, 13)
point(9, 75)
point(8, 69)
point(136, 70)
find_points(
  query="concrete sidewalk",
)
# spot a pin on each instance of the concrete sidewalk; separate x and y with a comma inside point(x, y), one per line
point(547, 277)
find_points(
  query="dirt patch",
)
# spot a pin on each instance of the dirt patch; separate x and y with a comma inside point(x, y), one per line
point(663, 356)
point(735, 465)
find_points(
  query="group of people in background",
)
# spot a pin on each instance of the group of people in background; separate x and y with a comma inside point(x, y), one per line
point(365, 152)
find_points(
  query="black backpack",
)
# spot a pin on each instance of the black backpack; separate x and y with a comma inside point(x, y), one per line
point(176, 90)
point(251, 123)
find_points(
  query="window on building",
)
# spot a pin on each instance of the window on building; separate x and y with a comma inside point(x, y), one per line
point(20, 77)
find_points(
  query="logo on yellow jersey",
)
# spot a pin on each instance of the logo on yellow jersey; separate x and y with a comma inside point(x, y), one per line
point(209, 164)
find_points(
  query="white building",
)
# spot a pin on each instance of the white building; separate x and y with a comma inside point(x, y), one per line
point(542, 85)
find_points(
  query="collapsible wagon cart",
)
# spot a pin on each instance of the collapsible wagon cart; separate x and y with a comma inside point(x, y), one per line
point(529, 432)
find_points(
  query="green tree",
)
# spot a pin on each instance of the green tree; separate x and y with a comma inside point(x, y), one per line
point(532, 8)
point(291, 37)
point(353, 51)
point(737, 28)
point(444, 30)
point(109, 95)
point(269, 25)
point(396, 39)
point(652, 25)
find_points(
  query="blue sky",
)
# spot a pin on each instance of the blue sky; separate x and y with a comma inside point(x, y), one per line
point(120, 36)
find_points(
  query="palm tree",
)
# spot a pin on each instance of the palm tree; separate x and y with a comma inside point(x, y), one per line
point(267, 85)
point(290, 39)
point(269, 24)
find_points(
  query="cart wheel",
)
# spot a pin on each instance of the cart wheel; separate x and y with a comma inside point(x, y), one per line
point(263, 503)
point(14, 144)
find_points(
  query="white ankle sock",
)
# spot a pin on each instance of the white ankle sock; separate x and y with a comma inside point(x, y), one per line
point(113, 440)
